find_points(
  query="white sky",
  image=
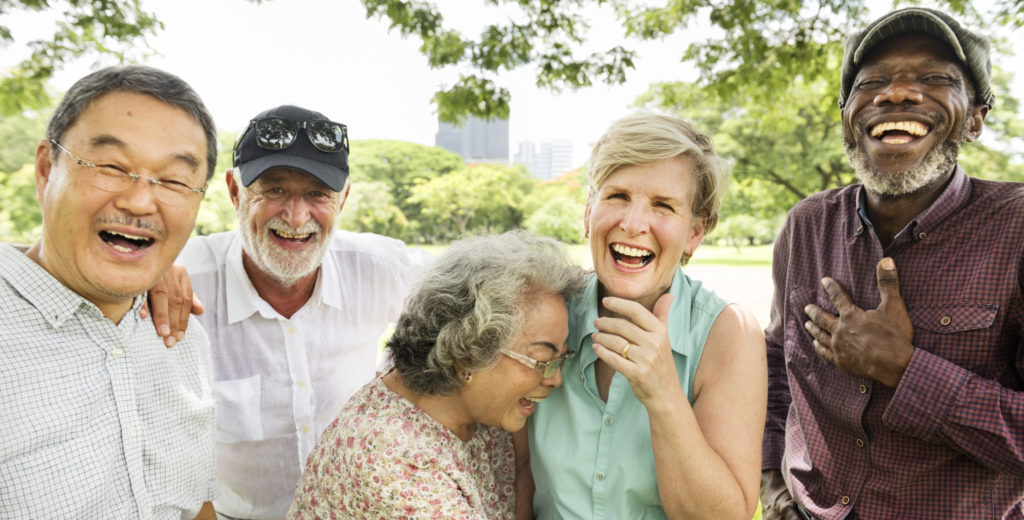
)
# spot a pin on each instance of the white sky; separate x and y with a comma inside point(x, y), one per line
point(325, 55)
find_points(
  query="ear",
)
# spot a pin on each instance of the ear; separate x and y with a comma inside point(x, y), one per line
point(976, 122)
point(586, 219)
point(44, 163)
point(696, 235)
point(229, 177)
point(344, 195)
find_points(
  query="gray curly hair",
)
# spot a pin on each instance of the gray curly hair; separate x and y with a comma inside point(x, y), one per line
point(472, 302)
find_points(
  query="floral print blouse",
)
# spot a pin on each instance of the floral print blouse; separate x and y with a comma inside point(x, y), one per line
point(383, 457)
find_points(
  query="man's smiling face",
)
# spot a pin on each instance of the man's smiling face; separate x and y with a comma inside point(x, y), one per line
point(909, 112)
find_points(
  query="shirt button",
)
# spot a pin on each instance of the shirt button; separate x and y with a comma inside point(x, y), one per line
point(302, 384)
point(305, 429)
point(600, 475)
point(608, 421)
point(845, 500)
point(860, 443)
point(862, 389)
point(860, 228)
point(129, 432)
point(145, 512)
point(117, 352)
point(922, 235)
point(945, 321)
point(291, 329)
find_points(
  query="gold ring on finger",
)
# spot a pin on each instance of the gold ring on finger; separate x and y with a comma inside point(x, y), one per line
point(625, 351)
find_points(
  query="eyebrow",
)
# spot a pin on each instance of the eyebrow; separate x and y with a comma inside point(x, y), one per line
point(549, 345)
point(110, 140)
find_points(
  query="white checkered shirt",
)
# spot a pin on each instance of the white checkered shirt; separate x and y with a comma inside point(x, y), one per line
point(97, 420)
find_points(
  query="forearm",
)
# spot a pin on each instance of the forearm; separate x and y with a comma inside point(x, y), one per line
point(779, 399)
point(694, 481)
point(939, 401)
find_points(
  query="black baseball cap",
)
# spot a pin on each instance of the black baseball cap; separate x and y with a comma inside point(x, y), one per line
point(252, 160)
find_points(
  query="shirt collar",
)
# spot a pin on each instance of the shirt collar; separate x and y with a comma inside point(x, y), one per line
point(243, 300)
point(55, 301)
point(953, 197)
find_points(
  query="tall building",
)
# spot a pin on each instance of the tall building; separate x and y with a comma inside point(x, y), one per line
point(547, 161)
point(477, 140)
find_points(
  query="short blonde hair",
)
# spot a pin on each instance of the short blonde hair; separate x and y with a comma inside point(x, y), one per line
point(646, 138)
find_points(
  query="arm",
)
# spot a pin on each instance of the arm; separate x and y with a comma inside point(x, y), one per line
point(524, 477)
point(706, 460)
point(206, 512)
point(776, 501)
point(171, 300)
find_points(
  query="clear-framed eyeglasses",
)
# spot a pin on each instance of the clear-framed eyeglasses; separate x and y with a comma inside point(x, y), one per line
point(546, 368)
point(115, 179)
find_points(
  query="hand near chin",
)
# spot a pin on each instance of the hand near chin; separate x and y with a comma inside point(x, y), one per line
point(635, 343)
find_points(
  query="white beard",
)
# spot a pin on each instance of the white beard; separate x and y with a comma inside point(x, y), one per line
point(287, 267)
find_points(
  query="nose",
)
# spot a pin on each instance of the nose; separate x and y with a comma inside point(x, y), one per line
point(899, 91)
point(554, 380)
point(634, 221)
point(296, 211)
point(139, 198)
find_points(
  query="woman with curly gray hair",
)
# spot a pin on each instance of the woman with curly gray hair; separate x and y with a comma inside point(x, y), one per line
point(480, 343)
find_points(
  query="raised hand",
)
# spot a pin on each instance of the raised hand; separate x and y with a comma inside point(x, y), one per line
point(874, 344)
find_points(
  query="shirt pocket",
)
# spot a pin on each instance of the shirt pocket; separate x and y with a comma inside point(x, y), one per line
point(238, 410)
point(959, 332)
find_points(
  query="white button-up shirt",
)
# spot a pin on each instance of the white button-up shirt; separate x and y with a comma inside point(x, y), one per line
point(281, 381)
point(97, 419)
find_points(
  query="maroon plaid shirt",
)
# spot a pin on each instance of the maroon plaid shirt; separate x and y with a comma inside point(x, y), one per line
point(948, 442)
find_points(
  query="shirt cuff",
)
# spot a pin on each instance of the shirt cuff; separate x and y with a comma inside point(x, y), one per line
point(772, 449)
point(925, 396)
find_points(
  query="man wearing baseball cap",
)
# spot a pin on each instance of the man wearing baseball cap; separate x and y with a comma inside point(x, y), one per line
point(901, 396)
point(294, 308)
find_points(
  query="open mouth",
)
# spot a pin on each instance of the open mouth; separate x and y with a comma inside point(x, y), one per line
point(124, 242)
point(528, 404)
point(899, 132)
point(301, 238)
point(631, 256)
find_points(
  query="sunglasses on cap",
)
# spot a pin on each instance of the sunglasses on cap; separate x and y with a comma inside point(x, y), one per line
point(274, 133)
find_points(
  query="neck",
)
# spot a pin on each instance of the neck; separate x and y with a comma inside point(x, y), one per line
point(889, 215)
point(444, 409)
point(113, 308)
point(285, 299)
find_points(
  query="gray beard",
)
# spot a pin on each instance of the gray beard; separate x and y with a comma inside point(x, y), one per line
point(286, 267)
point(937, 163)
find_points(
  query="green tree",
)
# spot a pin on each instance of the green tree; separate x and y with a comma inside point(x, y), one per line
point(757, 47)
point(217, 213)
point(83, 27)
point(476, 198)
point(371, 208)
point(555, 207)
point(20, 219)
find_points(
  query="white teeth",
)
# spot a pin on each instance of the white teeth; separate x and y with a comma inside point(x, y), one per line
point(910, 127)
point(534, 399)
point(126, 235)
point(121, 248)
point(630, 251)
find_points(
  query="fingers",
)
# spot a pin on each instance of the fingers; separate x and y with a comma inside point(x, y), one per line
point(840, 299)
point(182, 307)
point(614, 359)
point(158, 303)
point(636, 312)
point(888, 282)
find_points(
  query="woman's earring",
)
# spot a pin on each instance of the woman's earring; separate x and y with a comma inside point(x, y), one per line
point(467, 375)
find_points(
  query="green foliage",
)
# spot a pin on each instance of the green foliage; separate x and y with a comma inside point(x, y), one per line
point(20, 133)
point(83, 27)
point(217, 212)
point(560, 218)
point(371, 208)
point(478, 198)
point(20, 219)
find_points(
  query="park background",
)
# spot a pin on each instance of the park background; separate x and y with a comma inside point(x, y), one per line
point(761, 77)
